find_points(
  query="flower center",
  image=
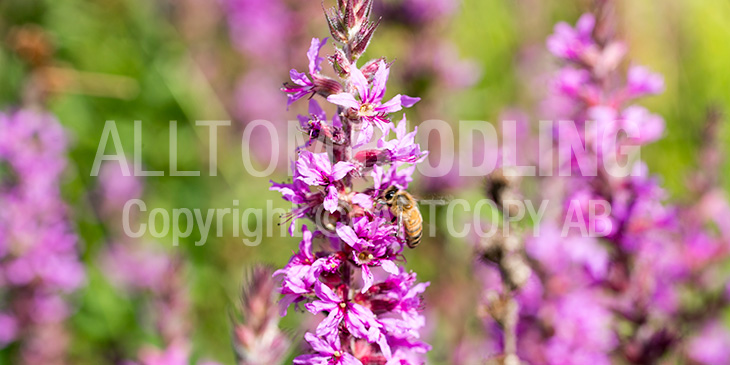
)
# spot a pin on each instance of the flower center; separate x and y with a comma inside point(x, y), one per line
point(343, 305)
point(365, 257)
point(367, 110)
point(337, 354)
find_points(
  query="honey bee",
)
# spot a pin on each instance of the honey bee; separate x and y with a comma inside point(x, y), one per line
point(404, 207)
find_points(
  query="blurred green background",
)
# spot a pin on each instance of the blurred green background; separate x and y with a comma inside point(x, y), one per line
point(160, 51)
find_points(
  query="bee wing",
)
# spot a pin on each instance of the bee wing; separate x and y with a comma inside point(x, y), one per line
point(400, 218)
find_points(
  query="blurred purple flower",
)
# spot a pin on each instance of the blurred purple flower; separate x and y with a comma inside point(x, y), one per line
point(572, 43)
point(711, 345)
point(642, 82)
point(38, 253)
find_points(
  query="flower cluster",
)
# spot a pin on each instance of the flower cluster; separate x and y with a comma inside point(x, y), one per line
point(620, 293)
point(38, 254)
point(372, 305)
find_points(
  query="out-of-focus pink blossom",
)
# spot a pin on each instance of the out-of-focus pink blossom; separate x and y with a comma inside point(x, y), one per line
point(711, 345)
point(39, 258)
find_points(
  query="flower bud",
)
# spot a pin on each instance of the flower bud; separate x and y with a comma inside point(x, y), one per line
point(326, 86)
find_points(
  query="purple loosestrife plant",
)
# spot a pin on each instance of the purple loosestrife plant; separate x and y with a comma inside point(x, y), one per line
point(38, 253)
point(372, 306)
point(617, 297)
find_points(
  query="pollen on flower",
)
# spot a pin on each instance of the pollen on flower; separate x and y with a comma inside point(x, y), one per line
point(367, 110)
point(365, 257)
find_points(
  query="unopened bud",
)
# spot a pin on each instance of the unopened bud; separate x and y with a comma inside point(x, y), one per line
point(339, 63)
point(372, 157)
point(326, 86)
point(370, 68)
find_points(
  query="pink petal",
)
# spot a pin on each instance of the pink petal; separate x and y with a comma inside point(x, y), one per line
point(329, 325)
point(313, 55)
point(299, 78)
point(367, 278)
point(389, 266)
point(363, 200)
point(391, 106)
point(331, 201)
point(344, 99)
point(341, 169)
point(347, 234)
point(381, 77)
point(348, 359)
point(358, 80)
point(408, 101)
point(365, 135)
point(325, 292)
point(318, 344)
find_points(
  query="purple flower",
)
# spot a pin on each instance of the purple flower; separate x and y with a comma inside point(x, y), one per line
point(643, 82)
point(316, 127)
point(38, 253)
point(259, 27)
point(299, 194)
point(115, 187)
point(650, 127)
point(300, 274)
point(405, 297)
point(583, 331)
point(136, 267)
point(358, 320)
point(329, 352)
point(403, 148)
point(311, 83)
point(711, 345)
point(372, 244)
point(571, 81)
point(8, 329)
point(370, 106)
point(316, 169)
point(393, 176)
point(571, 43)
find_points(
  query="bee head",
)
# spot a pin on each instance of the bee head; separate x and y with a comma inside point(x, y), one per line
point(389, 194)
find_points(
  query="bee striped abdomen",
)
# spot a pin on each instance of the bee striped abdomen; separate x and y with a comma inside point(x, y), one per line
point(414, 229)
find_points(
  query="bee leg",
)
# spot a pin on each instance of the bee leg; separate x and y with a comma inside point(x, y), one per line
point(400, 222)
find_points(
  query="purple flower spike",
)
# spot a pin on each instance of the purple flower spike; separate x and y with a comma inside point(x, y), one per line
point(373, 308)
